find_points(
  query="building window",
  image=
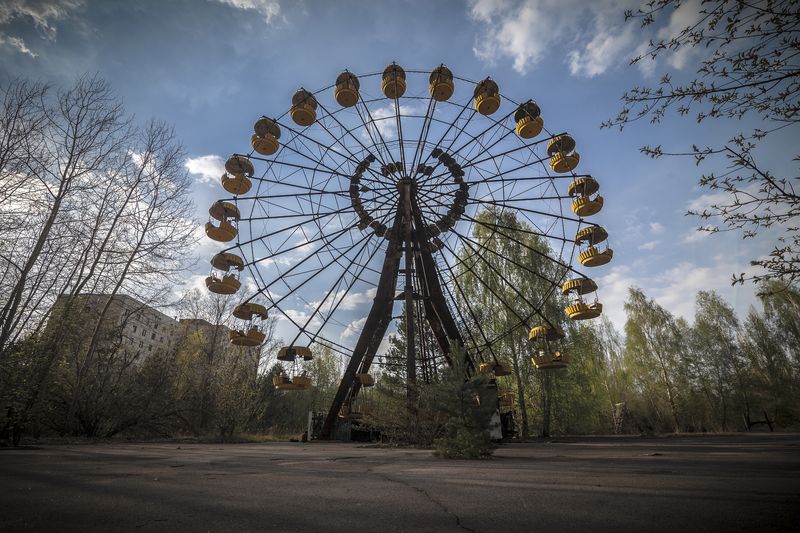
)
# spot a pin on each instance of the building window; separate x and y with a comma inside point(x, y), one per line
point(153, 337)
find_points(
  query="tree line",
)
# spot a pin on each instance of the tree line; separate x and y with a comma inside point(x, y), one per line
point(662, 374)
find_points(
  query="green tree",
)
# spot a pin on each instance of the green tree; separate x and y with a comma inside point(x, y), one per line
point(769, 341)
point(430, 358)
point(467, 406)
point(716, 357)
point(505, 273)
point(655, 349)
point(588, 389)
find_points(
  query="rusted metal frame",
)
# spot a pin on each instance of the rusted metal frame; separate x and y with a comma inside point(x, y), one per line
point(327, 148)
point(471, 312)
point(472, 138)
point(408, 249)
point(373, 331)
point(438, 314)
point(432, 317)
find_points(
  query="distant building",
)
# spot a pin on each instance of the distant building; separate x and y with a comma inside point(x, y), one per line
point(141, 329)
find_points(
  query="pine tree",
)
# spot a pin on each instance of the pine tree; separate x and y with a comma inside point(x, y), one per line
point(468, 406)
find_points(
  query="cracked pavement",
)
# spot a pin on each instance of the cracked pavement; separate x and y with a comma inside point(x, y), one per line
point(713, 483)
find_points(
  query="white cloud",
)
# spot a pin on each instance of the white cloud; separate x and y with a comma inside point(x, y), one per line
point(208, 168)
point(353, 328)
point(350, 301)
point(686, 16)
point(530, 31)
point(695, 235)
point(19, 44)
point(651, 245)
point(612, 292)
point(300, 317)
point(383, 122)
point(646, 65)
point(353, 300)
point(710, 199)
point(383, 347)
point(609, 46)
point(675, 288)
point(269, 9)
point(304, 248)
point(43, 13)
point(656, 228)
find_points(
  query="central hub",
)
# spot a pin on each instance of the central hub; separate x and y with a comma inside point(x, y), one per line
point(407, 183)
point(437, 193)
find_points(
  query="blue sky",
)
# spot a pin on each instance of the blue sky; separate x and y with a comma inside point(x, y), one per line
point(210, 68)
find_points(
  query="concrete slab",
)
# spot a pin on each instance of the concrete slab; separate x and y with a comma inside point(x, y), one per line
point(715, 483)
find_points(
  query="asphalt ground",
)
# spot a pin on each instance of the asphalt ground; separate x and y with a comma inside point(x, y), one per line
point(676, 484)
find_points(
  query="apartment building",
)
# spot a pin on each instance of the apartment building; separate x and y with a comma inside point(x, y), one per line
point(143, 330)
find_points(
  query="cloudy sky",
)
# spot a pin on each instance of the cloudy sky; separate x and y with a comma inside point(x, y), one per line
point(209, 67)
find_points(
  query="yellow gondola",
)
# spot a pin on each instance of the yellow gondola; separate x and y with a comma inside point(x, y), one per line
point(549, 333)
point(365, 379)
point(249, 311)
point(560, 143)
point(237, 164)
point(579, 286)
point(578, 309)
point(302, 381)
point(583, 311)
point(563, 158)
point(236, 183)
point(528, 119)
point(544, 360)
point(502, 369)
point(227, 284)
point(586, 206)
point(226, 260)
point(265, 138)
point(544, 356)
point(582, 190)
point(346, 90)
point(487, 97)
point(593, 256)
point(304, 108)
point(250, 338)
point(393, 83)
point(224, 211)
point(225, 232)
point(290, 353)
point(505, 397)
point(441, 84)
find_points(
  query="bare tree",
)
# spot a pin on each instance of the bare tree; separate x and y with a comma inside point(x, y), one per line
point(82, 132)
point(90, 203)
point(750, 66)
point(158, 229)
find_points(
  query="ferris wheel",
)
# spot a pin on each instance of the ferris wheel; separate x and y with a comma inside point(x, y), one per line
point(375, 190)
